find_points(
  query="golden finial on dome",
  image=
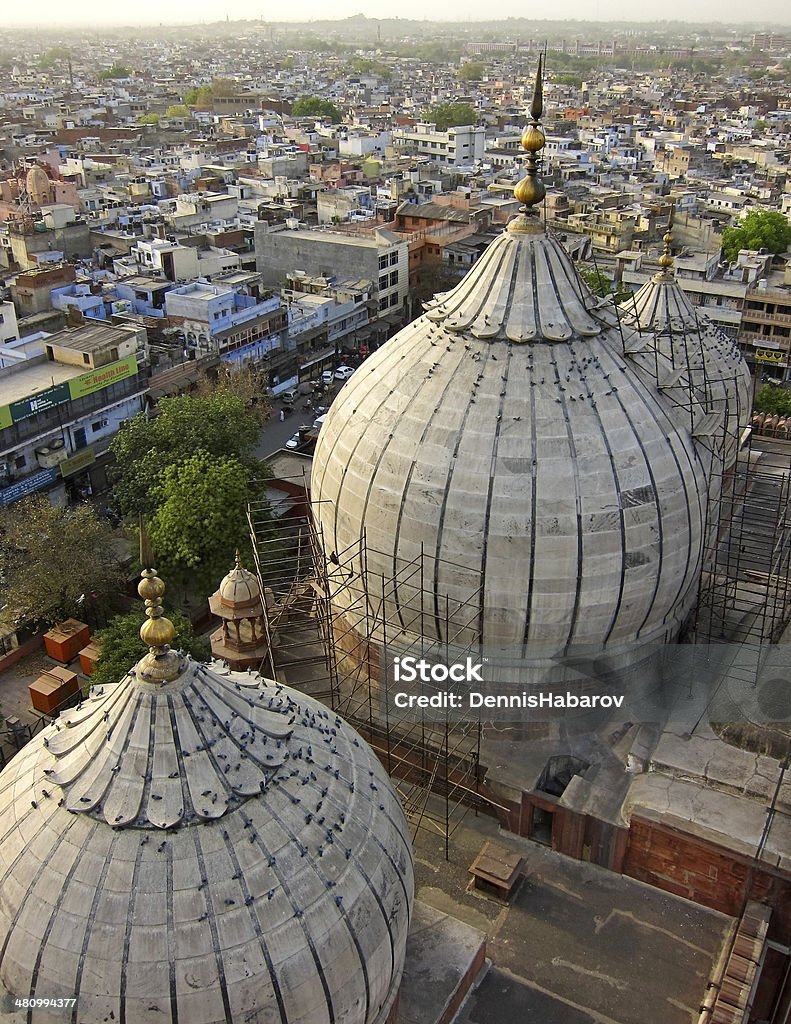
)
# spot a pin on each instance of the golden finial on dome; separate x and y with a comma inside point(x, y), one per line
point(161, 664)
point(238, 559)
point(530, 190)
point(666, 259)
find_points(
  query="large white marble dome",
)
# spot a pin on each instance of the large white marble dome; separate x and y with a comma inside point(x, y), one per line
point(213, 849)
point(509, 441)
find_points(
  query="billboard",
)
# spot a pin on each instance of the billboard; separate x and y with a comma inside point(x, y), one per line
point(78, 387)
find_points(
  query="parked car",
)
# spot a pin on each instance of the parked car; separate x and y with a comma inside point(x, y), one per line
point(318, 423)
point(289, 397)
point(326, 377)
point(344, 372)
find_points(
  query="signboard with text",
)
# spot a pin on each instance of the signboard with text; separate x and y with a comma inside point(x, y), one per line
point(58, 394)
point(32, 483)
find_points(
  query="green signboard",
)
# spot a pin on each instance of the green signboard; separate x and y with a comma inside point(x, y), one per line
point(58, 394)
point(42, 401)
point(102, 377)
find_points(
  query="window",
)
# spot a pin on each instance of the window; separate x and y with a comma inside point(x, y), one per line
point(394, 279)
point(96, 426)
point(382, 282)
point(393, 259)
point(20, 462)
point(383, 262)
point(394, 299)
point(382, 305)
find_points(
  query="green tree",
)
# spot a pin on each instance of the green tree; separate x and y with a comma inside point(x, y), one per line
point(472, 71)
point(315, 106)
point(450, 115)
point(602, 285)
point(121, 646)
point(152, 119)
point(116, 71)
point(144, 448)
point(177, 110)
point(201, 518)
point(760, 229)
point(248, 384)
point(51, 57)
point(201, 98)
point(56, 562)
point(568, 79)
point(773, 400)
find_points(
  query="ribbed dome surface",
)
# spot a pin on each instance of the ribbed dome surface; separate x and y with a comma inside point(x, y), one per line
point(520, 292)
point(695, 360)
point(291, 908)
point(506, 436)
point(239, 588)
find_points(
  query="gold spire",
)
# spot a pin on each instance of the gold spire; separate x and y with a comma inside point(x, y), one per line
point(238, 559)
point(161, 664)
point(530, 190)
point(666, 259)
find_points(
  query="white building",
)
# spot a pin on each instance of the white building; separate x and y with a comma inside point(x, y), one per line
point(8, 325)
point(460, 145)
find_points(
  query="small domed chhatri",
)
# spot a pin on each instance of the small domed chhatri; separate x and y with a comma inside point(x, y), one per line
point(200, 846)
point(244, 638)
point(695, 363)
point(508, 441)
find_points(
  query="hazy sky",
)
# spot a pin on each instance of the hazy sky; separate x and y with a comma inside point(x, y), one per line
point(51, 13)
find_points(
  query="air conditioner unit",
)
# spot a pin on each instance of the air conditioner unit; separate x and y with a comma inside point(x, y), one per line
point(49, 458)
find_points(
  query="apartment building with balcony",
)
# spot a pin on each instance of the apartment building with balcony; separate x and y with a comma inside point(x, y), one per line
point(59, 410)
point(458, 146)
point(222, 320)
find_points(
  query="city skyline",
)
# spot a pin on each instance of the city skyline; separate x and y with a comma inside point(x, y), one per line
point(49, 14)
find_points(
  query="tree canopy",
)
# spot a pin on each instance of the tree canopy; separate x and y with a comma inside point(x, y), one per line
point(144, 448)
point(450, 115)
point(247, 383)
point(121, 646)
point(472, 71)
point(760, 229)
point(602, 285)
point(364, 66)
point(315, 106)
point(201, 519)
point(116, 71)
point(773, 400)
point(56, 562)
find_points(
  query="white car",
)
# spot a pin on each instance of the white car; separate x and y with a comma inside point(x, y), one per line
point(293, 442)
point(318, 423)
point(344, 372)
point(326, 377)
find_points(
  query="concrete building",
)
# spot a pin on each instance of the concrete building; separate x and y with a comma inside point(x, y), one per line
point(766, 324)
point(59, 410)
point(217, 319)
point(380, 259)
point(9, 330)
point(462, 145)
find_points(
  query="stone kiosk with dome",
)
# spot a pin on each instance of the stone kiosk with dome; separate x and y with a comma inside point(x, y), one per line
point(243, 640)
point(196, 845)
